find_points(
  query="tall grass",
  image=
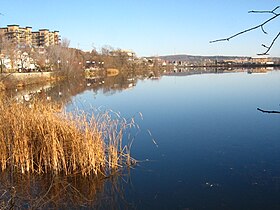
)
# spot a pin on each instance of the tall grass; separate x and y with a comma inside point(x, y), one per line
point(2, 85)
point(42, 138)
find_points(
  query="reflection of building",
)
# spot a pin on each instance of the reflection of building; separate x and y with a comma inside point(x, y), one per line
point(26, 37)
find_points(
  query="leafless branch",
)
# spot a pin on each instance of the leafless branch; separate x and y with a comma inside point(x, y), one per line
point(269, 112)
point(269, 47)
point(261, 26)
point(263, 11)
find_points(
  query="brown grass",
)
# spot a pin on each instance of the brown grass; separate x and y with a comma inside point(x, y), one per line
point(40, 138)
point(2, 86)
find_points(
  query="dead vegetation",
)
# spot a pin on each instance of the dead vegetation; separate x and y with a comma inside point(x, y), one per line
point(41, 138)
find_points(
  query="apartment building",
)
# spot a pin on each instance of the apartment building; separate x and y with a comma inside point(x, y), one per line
point(27, 37)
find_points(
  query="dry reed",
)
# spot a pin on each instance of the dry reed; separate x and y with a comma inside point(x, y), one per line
point(41, 138)
point(2, 85)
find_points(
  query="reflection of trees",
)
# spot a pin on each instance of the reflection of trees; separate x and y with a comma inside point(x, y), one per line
point(28, 191)
point(127, 77)
point(61, 91)
point(216, 70)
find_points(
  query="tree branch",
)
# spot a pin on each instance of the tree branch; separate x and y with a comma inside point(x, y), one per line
point(261, 26)
point(269, 47)
point(270, 112)
point(247, 30)
point(264, 11)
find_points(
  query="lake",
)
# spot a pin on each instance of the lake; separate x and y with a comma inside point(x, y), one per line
point(208, 147)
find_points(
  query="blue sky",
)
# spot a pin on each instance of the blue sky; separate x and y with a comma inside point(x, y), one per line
point(150, 27)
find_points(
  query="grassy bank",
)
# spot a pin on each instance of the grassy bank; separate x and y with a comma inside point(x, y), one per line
point(42, 138)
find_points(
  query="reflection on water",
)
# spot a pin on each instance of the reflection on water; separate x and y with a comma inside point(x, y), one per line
point(213, 150)
point(19, 191)
point(108, 84)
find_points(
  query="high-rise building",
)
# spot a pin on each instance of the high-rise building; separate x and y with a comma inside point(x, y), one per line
point(26, 37)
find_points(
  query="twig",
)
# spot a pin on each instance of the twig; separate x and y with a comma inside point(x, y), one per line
point(272, 43)
point(270, 112)
point(263, 11)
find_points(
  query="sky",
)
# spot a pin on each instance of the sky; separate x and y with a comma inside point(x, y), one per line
point(150, 27)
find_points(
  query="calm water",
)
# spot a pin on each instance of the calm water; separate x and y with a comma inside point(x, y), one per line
point(213, 149)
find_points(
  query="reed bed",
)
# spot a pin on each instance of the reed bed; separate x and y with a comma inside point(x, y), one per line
point(40, 138)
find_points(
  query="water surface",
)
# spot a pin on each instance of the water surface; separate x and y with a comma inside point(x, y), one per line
point(212, 149)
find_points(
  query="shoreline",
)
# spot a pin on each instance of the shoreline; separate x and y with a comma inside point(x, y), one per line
point(250, 66)
point(20, 80)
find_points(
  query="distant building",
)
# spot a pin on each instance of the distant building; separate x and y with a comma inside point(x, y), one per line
point(130, 54)
point(261, 59)
point(26, 37)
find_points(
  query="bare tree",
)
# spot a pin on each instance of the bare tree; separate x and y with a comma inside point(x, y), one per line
point(261, 26)
point(107, 50)
point(9, 48)
point(65, 43)
point(65, 60)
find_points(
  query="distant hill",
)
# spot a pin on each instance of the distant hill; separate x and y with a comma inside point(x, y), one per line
point(194, 58)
